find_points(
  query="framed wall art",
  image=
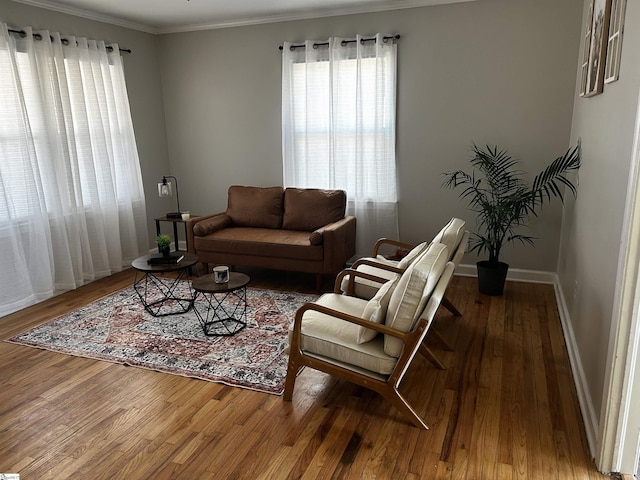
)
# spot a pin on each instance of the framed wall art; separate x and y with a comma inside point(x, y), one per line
point(595, 49)
point(614, 47)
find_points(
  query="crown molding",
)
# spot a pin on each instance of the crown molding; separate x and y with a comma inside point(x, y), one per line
point(307, 15)
point(284, 17)
point(98, 17)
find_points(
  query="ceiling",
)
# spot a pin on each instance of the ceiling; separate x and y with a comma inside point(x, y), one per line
point(168, 16)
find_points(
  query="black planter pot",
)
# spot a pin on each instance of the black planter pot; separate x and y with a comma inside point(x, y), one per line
point(491, 277)
point(165, 250)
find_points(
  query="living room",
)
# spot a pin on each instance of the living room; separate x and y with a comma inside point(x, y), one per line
point(206, 109)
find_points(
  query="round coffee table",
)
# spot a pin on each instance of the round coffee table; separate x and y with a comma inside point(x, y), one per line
point(223, 311)
point(161, 296)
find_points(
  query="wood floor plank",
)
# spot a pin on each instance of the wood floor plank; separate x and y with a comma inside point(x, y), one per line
point(505, 407)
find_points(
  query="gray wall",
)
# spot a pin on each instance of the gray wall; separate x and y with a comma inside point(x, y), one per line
point(142, 72)
point(491, 71)
point(592, 226)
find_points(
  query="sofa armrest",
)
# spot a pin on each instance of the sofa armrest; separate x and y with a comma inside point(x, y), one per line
point(213, 222)
point(339, 240)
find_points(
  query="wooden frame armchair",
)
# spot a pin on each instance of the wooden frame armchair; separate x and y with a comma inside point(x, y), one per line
point(337, 335)
point(453, 235)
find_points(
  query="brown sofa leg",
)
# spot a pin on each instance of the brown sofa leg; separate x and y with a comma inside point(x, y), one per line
point(319, 283)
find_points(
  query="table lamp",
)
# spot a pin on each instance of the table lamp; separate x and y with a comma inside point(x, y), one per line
point(165, 190)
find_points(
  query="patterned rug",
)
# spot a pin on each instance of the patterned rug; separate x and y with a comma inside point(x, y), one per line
point(118, 329)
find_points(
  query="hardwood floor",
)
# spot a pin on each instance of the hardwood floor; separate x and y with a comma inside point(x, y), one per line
point(505, 408)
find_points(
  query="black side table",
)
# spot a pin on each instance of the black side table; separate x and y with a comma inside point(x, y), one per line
point(175, 222)
point(223, 311)
point(158, 294)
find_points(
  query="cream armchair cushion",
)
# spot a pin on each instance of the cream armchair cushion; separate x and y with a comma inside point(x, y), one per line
point(412, 292)
point(454, 236)
point(332, 337)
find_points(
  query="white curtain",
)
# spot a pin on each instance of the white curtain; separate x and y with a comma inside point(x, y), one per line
point(72, 206)
point(338, 127)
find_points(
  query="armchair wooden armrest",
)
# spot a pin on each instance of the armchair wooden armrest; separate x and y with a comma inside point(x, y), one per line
point(348, 318)
point(373, 263)
point(353, 274)
point(389, 241)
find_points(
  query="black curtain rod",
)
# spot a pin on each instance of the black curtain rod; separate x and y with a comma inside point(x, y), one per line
point(344, 42)
point(64, 41)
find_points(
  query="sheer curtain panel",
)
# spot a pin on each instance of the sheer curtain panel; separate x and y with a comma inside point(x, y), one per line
point(72, 207)
point(338, 126)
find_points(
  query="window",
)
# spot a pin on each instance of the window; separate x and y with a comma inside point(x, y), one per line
point(339, 126)
point(72, 206)
point(614, 46)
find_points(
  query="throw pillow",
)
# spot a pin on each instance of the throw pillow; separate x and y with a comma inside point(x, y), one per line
point(413, 254)
point(376, 311)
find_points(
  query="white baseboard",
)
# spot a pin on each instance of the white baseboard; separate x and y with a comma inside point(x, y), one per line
point(514, 274)
point(589, 416)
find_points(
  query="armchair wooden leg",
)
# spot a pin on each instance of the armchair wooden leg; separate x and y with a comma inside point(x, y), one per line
point(428, 354)
point(400, 403)
point(441, 339)
point(449, 306)
point(290, 381)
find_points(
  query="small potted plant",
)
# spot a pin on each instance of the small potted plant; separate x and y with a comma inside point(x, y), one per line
point(164, 244)
point(504, 201)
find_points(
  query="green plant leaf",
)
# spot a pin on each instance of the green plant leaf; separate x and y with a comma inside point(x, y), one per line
point(502, 200)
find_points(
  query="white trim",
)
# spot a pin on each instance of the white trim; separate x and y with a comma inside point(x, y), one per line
point(306, 15)
point(514, 274)
point(617, 447)
point(589, 417)
point(79, 12)
point(241, 22)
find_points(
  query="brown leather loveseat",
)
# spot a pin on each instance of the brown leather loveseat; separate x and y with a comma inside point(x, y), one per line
point(303, 230)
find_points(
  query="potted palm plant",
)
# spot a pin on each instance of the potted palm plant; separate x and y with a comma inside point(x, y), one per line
point(504, 202)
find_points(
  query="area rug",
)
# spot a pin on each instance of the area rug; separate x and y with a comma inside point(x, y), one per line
point(118, 329)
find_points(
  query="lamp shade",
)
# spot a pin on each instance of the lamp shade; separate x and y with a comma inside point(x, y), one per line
point(164, 189)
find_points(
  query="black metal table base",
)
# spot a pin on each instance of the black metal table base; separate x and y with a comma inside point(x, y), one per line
point(159, 296)
point(222, 314)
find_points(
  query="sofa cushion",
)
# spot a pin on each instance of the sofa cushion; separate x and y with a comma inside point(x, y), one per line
point(256, 207)
point(265, 242)
point(210, 225)
point(309, 209)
